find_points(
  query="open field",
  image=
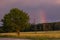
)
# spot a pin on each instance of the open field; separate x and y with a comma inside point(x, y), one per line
point(49, 34)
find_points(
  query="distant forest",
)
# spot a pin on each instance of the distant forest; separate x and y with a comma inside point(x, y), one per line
point(54, 26)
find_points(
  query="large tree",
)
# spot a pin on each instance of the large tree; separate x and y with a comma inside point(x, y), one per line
point(15, 20)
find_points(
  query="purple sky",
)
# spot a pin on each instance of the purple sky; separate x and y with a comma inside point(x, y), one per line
point(40, 10)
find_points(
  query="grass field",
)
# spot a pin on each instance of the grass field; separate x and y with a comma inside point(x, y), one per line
point(45, 34)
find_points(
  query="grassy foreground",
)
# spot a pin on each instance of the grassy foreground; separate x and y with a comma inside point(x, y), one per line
point(33, 35)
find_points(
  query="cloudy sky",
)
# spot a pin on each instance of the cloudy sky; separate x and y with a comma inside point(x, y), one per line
point(39, 10)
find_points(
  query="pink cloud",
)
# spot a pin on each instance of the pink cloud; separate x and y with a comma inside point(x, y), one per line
point(28, 3)
point(7, 2)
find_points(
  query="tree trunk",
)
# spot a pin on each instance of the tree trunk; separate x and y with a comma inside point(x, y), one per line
point(18, 32)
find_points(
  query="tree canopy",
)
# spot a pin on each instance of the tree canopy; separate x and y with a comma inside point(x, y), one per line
point(16, 20)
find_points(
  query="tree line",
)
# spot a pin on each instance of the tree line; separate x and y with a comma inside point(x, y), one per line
point(54, 26)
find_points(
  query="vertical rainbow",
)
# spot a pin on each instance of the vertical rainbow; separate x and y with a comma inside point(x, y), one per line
point(42, 16)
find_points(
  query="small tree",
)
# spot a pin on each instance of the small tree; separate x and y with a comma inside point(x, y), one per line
point(15, 20)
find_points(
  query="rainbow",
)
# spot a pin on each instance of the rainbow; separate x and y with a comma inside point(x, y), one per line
point(43, 16)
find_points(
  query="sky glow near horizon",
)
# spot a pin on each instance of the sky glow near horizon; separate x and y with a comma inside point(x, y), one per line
point(42, 10)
